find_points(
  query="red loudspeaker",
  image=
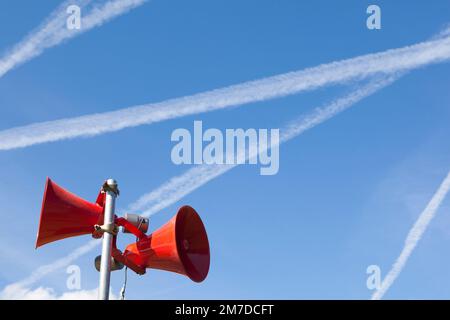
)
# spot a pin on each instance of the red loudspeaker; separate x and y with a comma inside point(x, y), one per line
point(181, 246)
point(65, 215)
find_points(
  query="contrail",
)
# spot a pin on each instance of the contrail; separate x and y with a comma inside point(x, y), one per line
point(53, 31)
point(414, 236)
point(178, 187)
point(355, 69)
point(60, 263)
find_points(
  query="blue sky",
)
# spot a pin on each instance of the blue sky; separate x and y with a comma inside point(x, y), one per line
point(347, 192)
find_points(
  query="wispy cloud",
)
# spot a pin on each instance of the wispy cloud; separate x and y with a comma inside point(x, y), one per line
point(178, 187)
point(414, 236)
point(53, 30)
point(44, 270)
point(387, 62)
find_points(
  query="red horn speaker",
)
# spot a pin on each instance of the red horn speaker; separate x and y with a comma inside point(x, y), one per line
point(180, 246)
point(65, 215)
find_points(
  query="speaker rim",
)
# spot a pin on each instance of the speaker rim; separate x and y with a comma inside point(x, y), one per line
point(188, 266)
point(47, 182)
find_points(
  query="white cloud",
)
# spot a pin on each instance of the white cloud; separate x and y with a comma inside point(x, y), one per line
point(19, 292)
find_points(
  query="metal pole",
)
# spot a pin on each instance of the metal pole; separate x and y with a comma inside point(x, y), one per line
point(110, 188)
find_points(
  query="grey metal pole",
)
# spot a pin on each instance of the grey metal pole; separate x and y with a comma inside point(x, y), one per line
point(110, 188)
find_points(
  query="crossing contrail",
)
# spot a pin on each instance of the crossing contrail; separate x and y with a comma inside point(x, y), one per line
point(414, 236)
point(355, 69)
point(54, 31)
point(178, 187)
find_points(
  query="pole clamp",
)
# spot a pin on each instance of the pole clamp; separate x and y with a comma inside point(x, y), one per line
point(110, 228)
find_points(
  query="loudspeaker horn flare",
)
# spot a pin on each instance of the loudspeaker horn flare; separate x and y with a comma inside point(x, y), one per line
point(65, 215)
point(180, 246)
